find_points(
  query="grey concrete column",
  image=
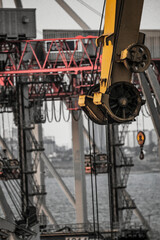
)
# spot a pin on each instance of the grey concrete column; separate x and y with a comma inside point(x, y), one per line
point(79, 169)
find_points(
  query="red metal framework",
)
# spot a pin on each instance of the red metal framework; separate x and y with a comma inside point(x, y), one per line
point(52, 68)
point(50, 56)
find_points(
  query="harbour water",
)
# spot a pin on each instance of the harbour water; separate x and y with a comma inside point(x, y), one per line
point(144, 188)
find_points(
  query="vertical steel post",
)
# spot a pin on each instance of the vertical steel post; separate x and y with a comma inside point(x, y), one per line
point(146, 88)
point(22, 148)
point(114, 178)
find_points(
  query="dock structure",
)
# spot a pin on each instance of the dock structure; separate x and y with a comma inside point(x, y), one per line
point(60, 68)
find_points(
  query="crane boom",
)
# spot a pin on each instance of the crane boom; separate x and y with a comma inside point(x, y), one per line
point(116, 99)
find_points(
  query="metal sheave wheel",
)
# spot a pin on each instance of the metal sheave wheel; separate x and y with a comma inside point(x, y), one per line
point(138, 58)
point(124, 101)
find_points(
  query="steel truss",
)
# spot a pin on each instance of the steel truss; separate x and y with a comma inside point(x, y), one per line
point(57, 69)
point(50, 56)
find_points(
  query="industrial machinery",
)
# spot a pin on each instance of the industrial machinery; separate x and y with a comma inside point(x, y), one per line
point(115, 98)
point(60, 69)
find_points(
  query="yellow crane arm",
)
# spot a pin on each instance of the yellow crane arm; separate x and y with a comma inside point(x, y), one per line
point(123, 53)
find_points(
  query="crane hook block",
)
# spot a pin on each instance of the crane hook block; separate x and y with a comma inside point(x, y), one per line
point(141, 138)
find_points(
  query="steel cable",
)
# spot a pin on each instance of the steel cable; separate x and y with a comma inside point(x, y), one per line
point(116, 33)
point(13, 201)
point(47, 112)
point(92, 188)
point(99, 32)
point(66, 120)
point(60, 112)
point(95, 177)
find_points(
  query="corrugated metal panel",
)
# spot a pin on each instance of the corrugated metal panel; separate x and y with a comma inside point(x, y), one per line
point(70, 34)
point(152, 40)
point(15, 23)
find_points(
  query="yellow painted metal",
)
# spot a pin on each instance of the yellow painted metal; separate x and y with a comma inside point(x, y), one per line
point(109, 28)
point(121, 18)
point(81, 100)
point(121, 30)
point(124, 54)
point(97, 99)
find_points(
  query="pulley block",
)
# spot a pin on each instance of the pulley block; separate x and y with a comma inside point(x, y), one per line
point(136, 58)
point(123, 102)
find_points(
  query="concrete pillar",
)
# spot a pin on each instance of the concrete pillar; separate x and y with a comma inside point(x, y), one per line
point(114, 177)
point(79, 169)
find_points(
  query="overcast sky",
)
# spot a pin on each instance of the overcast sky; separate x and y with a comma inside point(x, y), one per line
point(49, 15)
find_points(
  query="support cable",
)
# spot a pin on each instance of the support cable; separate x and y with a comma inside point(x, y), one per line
point(60, 111)
point(14, 192)
point(15, 185)
point(99, 32)
point(145, 115)
point(147, 111)
point(13, 201)
point(95, 176)
point(47, 112)
point(117, 28)
point(93, 209)
point(3, 126)
point(108, 144)
point(68, 118)
point(102, 16)
point(137, 124)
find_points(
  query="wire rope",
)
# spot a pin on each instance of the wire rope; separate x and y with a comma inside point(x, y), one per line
point(12, 200)
point(102, 16)
point(60, 111)
point(143, 126)
point(14, 182)
point(99, 32)
point(108, 144)
point(92, 188)
point(47, 112)
point(66, 120)
point(116, 33)
point(137, 124)
point(14, 192)
point(12, 142)
point(95, 177)
point(142, 109)
point(147, 111)
point(3, 125)
point(9, 126)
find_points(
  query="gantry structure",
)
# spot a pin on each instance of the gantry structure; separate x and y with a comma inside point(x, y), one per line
point(34, 71)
